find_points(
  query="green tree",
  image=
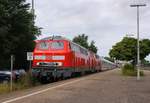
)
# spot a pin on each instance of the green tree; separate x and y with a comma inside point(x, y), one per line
point(92, 47)
point(145, 62)
point(83, 41)
point(109, 59)
point(17, 32)
point(127, 49)
point(144, 48)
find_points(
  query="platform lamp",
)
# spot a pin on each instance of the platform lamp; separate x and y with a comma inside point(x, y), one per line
point(138, 45)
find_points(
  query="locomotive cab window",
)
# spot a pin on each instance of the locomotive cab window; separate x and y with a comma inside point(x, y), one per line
point(43, 45)
point(57, 45)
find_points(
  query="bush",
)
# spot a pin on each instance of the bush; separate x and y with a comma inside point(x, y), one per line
point(129, 70)
point(26, 82)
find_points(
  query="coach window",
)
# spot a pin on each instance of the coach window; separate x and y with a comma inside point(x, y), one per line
point(86, 52)
point(72, 47)
point(83, 51)
point(57, 45)
point(77, 48)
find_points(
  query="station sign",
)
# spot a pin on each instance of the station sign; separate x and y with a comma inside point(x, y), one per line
point(29, 55)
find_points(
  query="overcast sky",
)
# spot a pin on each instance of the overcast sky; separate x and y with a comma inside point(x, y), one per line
point(104, 21)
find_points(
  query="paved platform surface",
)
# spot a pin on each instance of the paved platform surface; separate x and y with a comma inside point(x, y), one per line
point(103, 87)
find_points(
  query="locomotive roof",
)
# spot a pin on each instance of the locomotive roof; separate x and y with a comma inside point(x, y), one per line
point(60, 38)
point(55, 38)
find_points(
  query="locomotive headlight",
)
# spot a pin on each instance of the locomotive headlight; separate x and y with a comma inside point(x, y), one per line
point(60, 57)
point(58, 64)
point(39, 57)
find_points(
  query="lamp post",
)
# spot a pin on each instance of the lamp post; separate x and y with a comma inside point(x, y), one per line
point(11, 76)
point(32, 9)
point(138, 45)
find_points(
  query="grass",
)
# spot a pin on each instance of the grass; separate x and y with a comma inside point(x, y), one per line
point(129, 70)
point(24, 82)
point(4, 88)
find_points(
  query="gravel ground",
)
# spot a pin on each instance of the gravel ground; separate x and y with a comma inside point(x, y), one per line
point(104, 87)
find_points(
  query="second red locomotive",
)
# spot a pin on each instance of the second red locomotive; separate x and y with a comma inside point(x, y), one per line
point(57, 57)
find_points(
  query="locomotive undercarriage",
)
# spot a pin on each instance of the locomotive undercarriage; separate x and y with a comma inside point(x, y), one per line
point(50, 74)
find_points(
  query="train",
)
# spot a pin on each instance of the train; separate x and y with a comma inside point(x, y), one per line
point(57, 57)
point(107, 65)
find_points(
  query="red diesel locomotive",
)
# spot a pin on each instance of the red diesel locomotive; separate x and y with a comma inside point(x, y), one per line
point(57, 57)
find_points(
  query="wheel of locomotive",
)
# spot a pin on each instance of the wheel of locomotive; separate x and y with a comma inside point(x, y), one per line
point(73, 74)
point(44, 80)
point(62, 76)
